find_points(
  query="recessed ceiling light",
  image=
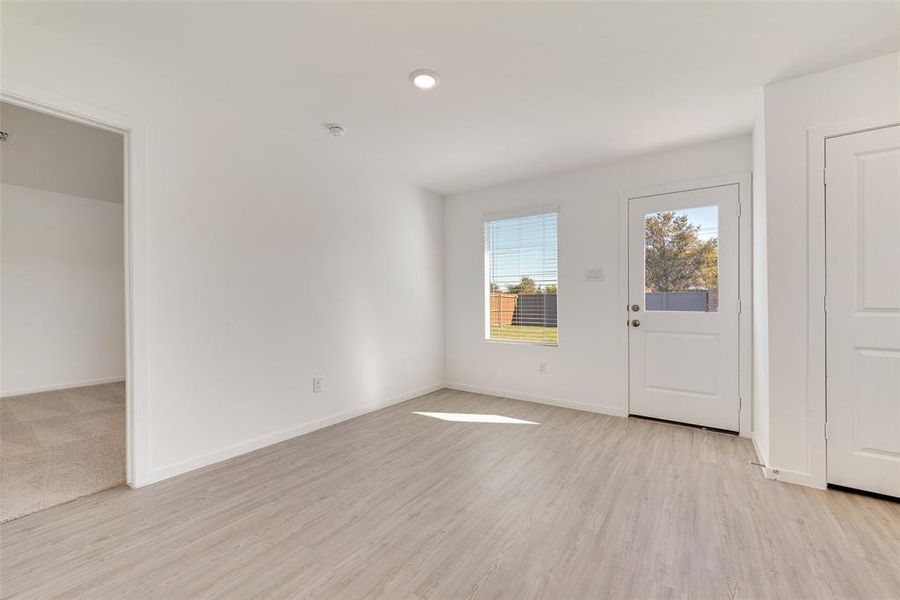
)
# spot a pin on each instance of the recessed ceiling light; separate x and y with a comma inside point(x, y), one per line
point(425, 79)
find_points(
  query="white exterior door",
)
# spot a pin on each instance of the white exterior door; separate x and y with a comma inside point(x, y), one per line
point(862, 237)
point(683, 306)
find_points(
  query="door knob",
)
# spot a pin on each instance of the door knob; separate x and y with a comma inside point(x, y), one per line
point(635, 323)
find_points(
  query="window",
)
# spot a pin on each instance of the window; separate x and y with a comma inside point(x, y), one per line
point(521, 278)
point(681, 260)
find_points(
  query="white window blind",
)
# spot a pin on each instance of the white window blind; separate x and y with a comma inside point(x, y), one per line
point(522, 279)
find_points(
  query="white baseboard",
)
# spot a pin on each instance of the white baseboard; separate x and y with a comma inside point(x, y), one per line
point(786, 475)
point(797, 477)
point(767, 472)
point(162, 473)
point(594, 408)
point(759, 455)
point(61, 386)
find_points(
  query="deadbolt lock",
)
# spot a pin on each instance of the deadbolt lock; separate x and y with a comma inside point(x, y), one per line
point(635, 307)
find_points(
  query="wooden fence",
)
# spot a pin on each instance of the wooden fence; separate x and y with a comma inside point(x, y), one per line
point(536, 310)
point(503, 307)
point(687, 300)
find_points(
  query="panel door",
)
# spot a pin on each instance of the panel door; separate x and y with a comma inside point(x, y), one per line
point(862, 237)
point(683, 307)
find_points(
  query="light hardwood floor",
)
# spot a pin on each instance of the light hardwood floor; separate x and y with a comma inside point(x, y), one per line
point(398, 505)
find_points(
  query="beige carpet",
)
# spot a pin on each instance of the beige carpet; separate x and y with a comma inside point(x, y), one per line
point(58, 446)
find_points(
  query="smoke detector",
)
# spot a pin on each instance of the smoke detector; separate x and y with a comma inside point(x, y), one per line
point(336, 130)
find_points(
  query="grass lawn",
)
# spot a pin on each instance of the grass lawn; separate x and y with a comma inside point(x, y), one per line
point(517, 333)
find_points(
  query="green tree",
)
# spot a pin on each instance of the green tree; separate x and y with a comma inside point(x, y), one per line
point(526, 286)
point(675, 257)
point(494, 287)
point(549, 289)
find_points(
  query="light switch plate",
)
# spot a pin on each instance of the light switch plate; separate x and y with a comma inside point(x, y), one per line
point(593, 274)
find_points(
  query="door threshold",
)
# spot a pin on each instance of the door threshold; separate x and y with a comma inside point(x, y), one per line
point(850, 490)
point(691, 425)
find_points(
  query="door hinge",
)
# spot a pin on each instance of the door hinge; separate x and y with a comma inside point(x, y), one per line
point(740, 306)
point(825, 302)
point(826, 430)
point(738, 209)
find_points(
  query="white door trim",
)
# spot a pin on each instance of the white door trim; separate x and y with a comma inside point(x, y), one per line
point(135, 208)
point(745, 257)
point(815, 369)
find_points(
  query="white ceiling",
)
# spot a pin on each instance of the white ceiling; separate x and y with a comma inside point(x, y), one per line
point(528, 88)
point(49, 153)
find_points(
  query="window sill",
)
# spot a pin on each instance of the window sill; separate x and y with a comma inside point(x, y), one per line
point(522, 343)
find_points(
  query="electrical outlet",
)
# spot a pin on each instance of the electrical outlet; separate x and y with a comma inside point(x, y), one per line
point(317, 385)
point(542, 367)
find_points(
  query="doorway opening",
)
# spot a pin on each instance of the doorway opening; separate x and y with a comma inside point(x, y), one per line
point(64, 408)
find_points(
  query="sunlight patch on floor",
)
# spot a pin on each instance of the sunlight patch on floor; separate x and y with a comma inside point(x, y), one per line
point(474, 418)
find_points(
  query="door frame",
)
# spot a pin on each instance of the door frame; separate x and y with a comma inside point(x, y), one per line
point(745, 296)
point(135, 254)
point(816, 390)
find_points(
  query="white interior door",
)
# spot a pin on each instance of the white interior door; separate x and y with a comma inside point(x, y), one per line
point(862, 238)
point(683, 306)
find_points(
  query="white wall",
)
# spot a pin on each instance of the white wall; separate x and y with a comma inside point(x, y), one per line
point(273, 257)
point(761, 423)
point(63, 306)
point(861, 90)
point(587, 369)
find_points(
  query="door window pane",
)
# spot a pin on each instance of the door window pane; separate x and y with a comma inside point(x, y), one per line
point(681, 260)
